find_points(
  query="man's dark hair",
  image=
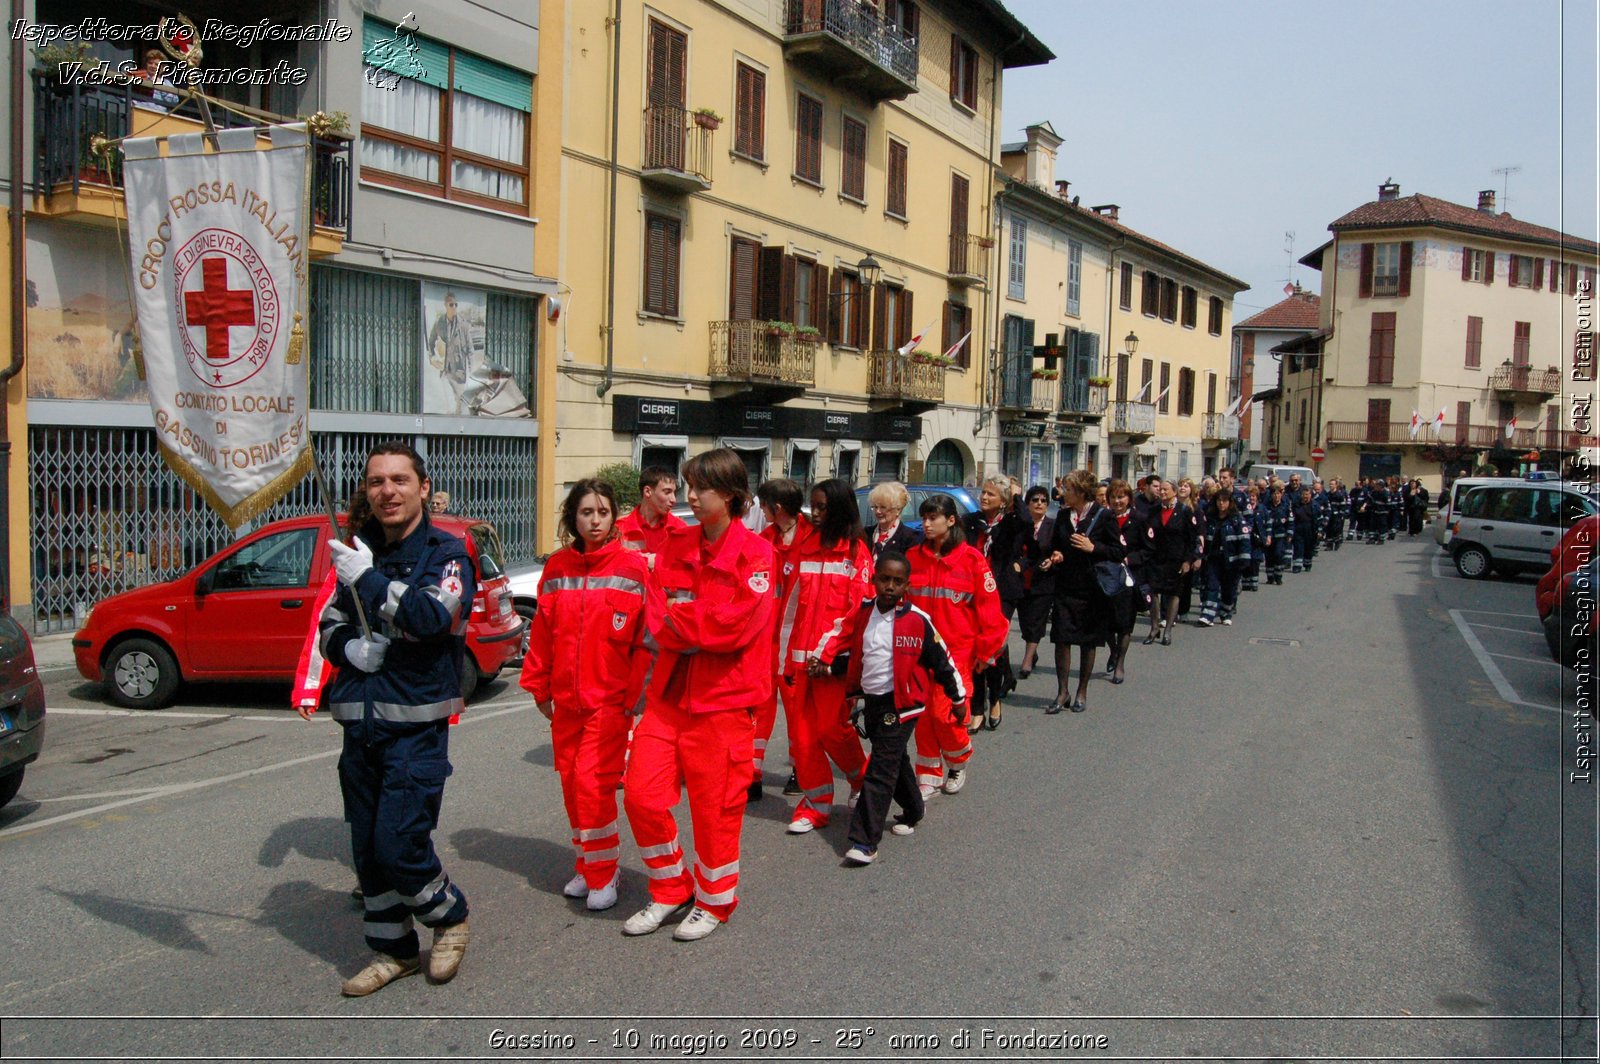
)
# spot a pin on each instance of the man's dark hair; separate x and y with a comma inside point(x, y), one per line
point(653, 475)
point(721, 470)
point(781, 493)
point(400, 447)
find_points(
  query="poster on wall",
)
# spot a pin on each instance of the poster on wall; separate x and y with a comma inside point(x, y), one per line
point(458, 378)
point(80, 318)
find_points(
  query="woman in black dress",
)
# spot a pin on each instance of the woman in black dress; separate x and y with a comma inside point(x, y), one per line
point(995, 530)
point(1172, 547)
point(1125, 609)
point(1084, 534)
point(1038, 581)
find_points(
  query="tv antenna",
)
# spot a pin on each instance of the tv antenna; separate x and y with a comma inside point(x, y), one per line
point(1505, 173)
point(1288, 249)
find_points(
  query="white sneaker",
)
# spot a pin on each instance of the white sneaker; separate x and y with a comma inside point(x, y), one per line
point(861, 855)
point(1228, 621)
point(956, 780)
point(901, 828)
point(604, 898)
point(576, 887)
point(651, 917)
point(928, 790)
point(1203, 623)
point(697, 925)
point(800, 825)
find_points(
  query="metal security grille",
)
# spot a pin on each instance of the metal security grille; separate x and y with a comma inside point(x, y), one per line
point(509, 337)
point(107, 515)
point(366, 342)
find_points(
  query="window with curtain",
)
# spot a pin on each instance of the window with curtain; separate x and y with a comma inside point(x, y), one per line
point(1074, 276)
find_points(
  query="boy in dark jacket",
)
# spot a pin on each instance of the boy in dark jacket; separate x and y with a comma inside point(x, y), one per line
point(891, 655)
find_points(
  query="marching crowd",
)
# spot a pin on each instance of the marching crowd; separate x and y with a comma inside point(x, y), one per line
point(661, 654)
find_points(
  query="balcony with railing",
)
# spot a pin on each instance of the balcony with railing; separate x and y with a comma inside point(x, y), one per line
point(677, 149)
point(851, 42)
point(1553, 438)
point(969, 259)
point(753, 357)
point(904, 380)
point(72, 180)
point(1133, 419)
point(1398, 434)
point(1525, 382)
point(1222, 428)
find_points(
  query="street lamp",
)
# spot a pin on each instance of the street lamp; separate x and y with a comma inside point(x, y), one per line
point(869, 270)
point(1131, 343)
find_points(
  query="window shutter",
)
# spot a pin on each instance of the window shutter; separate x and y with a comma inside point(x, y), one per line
point(903, 323)
point(1211, 393)
point(1466, 264)
point(786, 289)
point(958, 208)
point(821, 308)
point(770, 305)
point(955, 67)
point(743, 270)
point(1163, 392)
point(1364, 289)
point(860, 310)
point(750, 112)
point(1538, 274)
point(669, 52)
point(1463, 421)
point(880, 327)
point(946, 336)
point(831, 327)
point(1488, 267)
point(1555, 275)
point(1405, 268)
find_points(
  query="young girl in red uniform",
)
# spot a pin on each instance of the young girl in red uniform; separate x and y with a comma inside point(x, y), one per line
point(952, 584)
point(585, 667)
point(713, 671)
point(834, 574)
point(786, 530)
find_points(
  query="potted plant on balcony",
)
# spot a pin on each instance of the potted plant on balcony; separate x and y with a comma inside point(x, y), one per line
point(1046, 374)
point(808, 334)
point(1099, 382)
point(778, 328)
point(706, 118)
point(49, 59)
point(986, 242)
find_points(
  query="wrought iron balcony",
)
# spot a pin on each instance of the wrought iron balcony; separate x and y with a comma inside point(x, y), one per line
point(851, 42)
point(1553, 438)
point(1084, 400)
point(1220, 427)
point(969, 259)
point(751, 356)
point(1133, 419)
point(1398, 434)
point(1525, 381)
point(677, 149)
point(905, 379)
point(66, 118)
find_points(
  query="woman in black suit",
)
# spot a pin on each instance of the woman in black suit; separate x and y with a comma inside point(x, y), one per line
point(888, 501)
point(1172, 548)
point(1084, 534)
point(995, 530)
point(1125, 609)
point(1038, 580)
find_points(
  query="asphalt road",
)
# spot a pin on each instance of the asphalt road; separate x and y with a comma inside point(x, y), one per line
point(1342, 828)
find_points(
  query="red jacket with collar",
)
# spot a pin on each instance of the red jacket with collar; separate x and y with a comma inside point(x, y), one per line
point(586, 641)
point(716, 632)
point(958, 591)
point(920, 658)
point(638, 536)
point(829, 582)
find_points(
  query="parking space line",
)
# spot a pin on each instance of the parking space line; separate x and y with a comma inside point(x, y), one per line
point(1502, 628)
point(1530, 661)
point(1502, 613)
point(1506, 691)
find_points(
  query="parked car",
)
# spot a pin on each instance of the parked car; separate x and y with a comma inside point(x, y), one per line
point(21, 706)
point(1512, 527)
point(1450, 502)
point(966, 502)
point(1569, 626)
point(1576, 549)
point(1282, 472)
point(243, 614)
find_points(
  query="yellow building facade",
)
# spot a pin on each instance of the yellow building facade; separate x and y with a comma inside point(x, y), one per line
point(761, 205)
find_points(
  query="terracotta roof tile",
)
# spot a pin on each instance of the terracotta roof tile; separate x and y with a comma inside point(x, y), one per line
point(1300, 311)
point(1420, 210)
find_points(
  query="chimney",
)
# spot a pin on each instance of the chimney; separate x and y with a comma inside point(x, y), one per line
point(1061, 188)
point(1388, 191)
point(1107, 210)
point(1040, 167)
point(1486, 200)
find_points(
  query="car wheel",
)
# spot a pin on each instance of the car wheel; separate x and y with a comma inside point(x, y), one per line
point(142, 674)
point(10, 785)
point(525, 610)
point(469, 679)
point(1473, 562)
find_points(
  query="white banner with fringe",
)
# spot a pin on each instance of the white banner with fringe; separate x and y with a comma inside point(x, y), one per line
point(218, 238)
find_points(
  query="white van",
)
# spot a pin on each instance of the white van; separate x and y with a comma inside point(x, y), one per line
point(1282, 472)
point(1450, 502)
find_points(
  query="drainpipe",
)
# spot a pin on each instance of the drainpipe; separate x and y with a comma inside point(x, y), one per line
point(611, 249)
point(986, 395)
point(19, 303)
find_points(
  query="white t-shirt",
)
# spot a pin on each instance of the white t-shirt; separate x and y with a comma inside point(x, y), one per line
point(877, 653)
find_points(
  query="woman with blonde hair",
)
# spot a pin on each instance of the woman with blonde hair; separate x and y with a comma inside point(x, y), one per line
point(888, 502)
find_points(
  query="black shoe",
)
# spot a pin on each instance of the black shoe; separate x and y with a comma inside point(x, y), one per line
point(754, 793)
point(1151, 638)
point(992, 721)
point(793, 786)
point(1022, 674)
point(1166, 640)
point(1119, 679)
point(1078, 706)
point(1055, 707)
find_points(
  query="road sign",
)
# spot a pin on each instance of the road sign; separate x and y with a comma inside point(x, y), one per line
point(1272, 454)
point(1318, 454)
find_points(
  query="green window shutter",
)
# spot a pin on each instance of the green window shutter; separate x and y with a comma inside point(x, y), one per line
point(429, 64)
point(491, 81)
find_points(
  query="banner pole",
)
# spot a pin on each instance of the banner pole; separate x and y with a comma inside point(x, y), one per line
point(333, 523)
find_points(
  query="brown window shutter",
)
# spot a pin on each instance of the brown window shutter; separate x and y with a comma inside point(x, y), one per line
point(1463, 421)
point(821, 306)
point(742, 291)
point(1538, 274)
point(955, 67)
point(750, 137)
point(1488, 267)
point(903, 322)
point(958, 205)
point(880, 327)
point(1211, 393)
point(786, 289)
point(831, 328)
point(1405, 268)
point(1466, 264)
point(1163, 393)
point(770, 305)
point(1364, 289)
point(1555, 275)
point(860, 311)
point(654, 257)
point(674, 256)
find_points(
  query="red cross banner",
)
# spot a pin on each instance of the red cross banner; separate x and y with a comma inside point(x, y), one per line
point(218, 239)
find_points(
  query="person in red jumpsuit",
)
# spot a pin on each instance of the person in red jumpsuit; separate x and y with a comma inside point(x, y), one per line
point(585, 667)
point(951, 583)
point(786, 530)
point(713, 670)
point(834, 576)
point(646, 527)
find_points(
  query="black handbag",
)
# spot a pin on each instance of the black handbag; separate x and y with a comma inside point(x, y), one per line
point(1113, 578)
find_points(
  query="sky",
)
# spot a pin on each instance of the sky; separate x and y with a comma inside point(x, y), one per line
point(1220, 126)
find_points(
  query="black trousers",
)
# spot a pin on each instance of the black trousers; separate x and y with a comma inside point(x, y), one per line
point(889, 774)
point(989, 685)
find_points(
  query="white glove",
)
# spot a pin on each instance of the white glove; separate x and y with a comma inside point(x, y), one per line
point(352, 562)
point(367, 654)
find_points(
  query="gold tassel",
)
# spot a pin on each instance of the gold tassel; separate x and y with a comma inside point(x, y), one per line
point(297, 342)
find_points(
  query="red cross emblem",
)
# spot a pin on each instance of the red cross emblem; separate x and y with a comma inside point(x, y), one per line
point(210, 308)
point(217, 308)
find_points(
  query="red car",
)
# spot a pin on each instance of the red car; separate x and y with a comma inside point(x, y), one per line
point(1574, 551)
point(243, 613)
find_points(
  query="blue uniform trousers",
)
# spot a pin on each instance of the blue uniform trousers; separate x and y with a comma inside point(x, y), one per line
point(1222, 591)
point(392, 777)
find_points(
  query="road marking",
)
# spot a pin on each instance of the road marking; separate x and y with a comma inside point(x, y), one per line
point(1530, 661)
point(1506, 691)
point(522, 705)
point(75, 711)
point(1503, 613)
point(1434, 565)
point(101, 794)
point(1502, 628)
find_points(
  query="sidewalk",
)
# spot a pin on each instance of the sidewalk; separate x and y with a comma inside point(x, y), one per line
point(53, 651)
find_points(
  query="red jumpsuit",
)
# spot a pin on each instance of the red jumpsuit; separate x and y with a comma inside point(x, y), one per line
point(714, 668)
point(646, 539)
point(767, 712)
point(829, 586)
point(958, 591)
point(586, 654)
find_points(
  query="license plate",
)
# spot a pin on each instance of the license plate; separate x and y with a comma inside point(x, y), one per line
point(5, 724)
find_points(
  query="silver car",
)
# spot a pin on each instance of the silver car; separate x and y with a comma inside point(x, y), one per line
point(1511, 527)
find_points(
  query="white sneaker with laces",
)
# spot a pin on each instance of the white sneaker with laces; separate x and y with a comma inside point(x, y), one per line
point(1204, 622)
point(651, 917)
point(576, 887)
point(697, 925)
point(855, 796)
point(800, 825)
point(1228, 621)
point(604, 898)
point(956, 780)
point(861, 855)
point(928, 790)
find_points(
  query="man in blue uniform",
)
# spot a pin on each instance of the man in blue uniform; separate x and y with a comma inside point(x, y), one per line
point(394, 694)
